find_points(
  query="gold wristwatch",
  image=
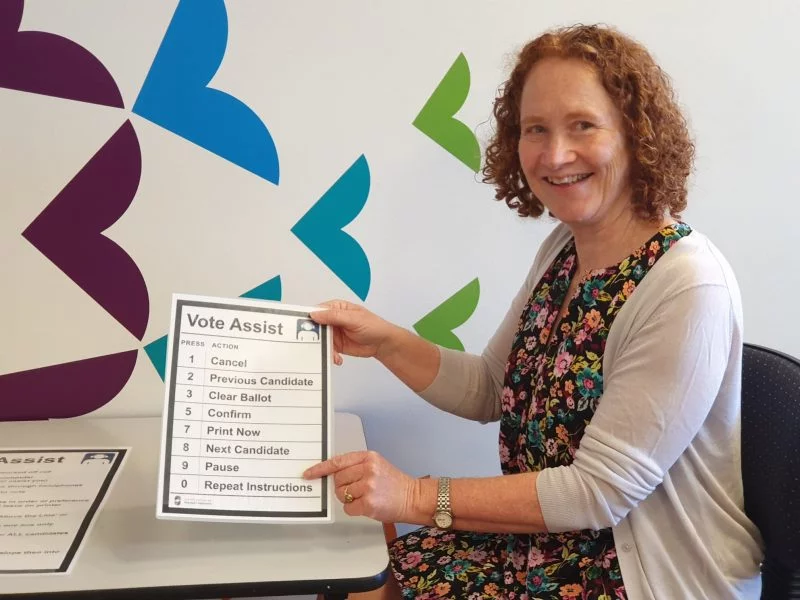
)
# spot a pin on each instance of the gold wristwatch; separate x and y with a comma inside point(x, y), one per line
point(443, 515)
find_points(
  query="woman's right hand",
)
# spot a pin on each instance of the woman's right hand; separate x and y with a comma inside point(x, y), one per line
point(356, 330)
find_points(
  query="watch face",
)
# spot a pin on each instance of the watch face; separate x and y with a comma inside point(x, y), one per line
point(442, 520)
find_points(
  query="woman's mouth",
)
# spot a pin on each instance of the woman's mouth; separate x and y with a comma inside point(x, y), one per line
point(567, 179)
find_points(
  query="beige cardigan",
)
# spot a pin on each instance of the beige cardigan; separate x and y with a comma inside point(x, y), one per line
point(659, 462)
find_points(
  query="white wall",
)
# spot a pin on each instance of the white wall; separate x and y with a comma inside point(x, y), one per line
point(333, 81)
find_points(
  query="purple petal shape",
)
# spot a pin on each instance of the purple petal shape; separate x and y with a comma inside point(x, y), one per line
point(10, 17)
point(45, 63)
point(69, 231)
point(65, 390)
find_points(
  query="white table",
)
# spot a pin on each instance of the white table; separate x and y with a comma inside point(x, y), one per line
point(130, 554)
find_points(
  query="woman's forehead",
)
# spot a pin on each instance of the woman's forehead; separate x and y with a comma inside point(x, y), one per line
point(566, 87)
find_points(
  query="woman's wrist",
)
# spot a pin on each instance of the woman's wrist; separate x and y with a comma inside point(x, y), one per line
point(391, 344)
point(423, 501)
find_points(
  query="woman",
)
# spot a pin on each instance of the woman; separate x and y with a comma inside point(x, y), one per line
point(615, 374)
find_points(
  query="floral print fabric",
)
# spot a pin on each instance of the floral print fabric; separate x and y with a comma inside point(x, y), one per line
point(553, 384)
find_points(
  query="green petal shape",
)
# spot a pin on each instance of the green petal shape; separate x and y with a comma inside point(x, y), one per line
point(437, 118)
point(437, 326)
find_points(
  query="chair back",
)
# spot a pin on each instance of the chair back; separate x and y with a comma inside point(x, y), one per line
point(771, 463)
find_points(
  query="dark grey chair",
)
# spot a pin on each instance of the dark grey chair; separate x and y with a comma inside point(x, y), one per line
point(771, 464)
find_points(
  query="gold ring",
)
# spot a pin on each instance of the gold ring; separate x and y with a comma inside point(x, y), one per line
point(348, 497)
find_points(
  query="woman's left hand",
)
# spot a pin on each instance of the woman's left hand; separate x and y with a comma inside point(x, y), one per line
point(379, 489)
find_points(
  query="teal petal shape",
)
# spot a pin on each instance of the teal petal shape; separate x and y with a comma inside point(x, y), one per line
point(157, 353)
point(269, 290)
point(437, 326)
point(320, 229)
point(437, 118)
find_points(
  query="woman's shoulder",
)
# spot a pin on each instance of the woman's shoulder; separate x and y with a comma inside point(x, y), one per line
point(692, 261)
point(692, 280)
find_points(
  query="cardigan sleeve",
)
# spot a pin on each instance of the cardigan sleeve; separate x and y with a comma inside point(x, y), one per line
point(664, 381)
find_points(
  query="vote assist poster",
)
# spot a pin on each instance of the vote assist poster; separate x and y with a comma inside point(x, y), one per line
point(247, 410)
point(49, 499)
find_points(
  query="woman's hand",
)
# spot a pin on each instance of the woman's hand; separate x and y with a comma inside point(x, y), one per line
point(356, 330)
point(379, 489)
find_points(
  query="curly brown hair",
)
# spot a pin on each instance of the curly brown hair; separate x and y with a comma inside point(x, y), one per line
point(662, 152)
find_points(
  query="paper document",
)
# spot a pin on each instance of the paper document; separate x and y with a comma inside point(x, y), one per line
point(247, 410)
point(48, 502)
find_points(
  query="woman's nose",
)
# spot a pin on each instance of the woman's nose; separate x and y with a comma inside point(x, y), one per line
point(557, 153)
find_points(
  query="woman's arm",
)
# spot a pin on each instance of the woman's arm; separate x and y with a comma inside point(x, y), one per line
point(412, 359)
point(655, 401)
point(505, 504)
point(485, 505)
point(460, 383)
point(664, 382)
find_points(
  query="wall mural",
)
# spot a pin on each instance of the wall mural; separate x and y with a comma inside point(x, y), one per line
point(176, 96)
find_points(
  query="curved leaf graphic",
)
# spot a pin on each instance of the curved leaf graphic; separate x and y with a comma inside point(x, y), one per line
point(48, 64)
point(320, 229)
point(437, 118)
point(437, 326)
point(69, 231)
point(65, 390)
point(157, 349)
point(176, 96)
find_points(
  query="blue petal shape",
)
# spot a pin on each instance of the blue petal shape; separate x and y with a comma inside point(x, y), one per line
point(269, 290)
point(176, 95)
point(157, 349)
point(321, 228)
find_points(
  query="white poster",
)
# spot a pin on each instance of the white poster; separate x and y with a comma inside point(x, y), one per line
point(247, 410)
point(48, 502)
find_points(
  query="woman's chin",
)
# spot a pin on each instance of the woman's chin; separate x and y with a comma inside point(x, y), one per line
point(572, 217)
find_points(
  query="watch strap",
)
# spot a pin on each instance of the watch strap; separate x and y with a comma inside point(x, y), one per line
point(443, 495)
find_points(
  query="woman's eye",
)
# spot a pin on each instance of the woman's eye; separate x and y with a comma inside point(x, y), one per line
point(584, 125)
point(534, 129)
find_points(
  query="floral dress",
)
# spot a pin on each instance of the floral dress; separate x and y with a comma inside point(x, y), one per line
point(553, 384)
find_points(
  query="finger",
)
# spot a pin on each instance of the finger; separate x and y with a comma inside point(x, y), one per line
point(355, 508)
point(360, 507)
point(348, 476)
point(319, 314)
point(355, 490)
point(340, 317)
point(337, 346)
point(332, 465)
point(337, 303)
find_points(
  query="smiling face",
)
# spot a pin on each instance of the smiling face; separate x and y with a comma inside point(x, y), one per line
point(572, 146)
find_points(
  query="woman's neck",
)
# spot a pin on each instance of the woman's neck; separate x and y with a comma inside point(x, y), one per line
point(602, 245)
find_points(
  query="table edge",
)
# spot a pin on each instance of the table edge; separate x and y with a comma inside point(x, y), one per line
point(218, 590)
